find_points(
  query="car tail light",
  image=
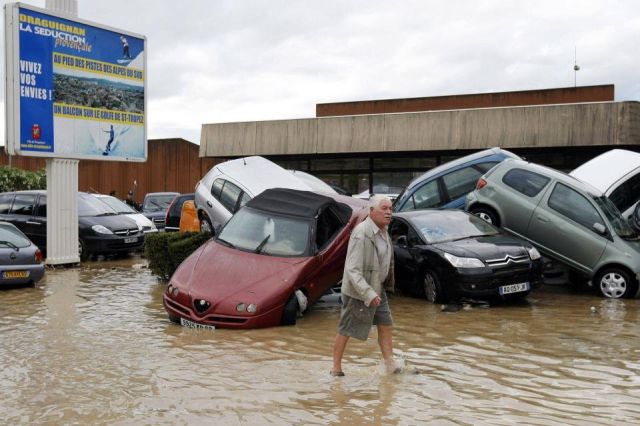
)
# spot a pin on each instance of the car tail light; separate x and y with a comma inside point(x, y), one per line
point(481, 183)
point(38, 256)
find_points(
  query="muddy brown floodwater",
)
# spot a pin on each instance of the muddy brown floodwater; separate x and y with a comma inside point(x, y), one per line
point(93, 345)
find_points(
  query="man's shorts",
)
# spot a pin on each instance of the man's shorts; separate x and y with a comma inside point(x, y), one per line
point(356, 318)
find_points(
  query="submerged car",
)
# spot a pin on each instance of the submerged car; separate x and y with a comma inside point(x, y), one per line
point(121, 208)
point(566, 219)
point(230, 185)
point(447, 255)
point(100, 229)
point(447, 185)
point(155, 206)
point(617, 174)
point(20, 259)
point(277, 255)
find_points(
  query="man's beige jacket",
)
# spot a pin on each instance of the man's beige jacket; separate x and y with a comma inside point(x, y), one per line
point(361, 278)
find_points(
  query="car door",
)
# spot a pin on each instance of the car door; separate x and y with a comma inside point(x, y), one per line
point(518, 195)
point(39, 223)
point(562, 225)
point(22, 211)
point(429, 195)
point(406, 260)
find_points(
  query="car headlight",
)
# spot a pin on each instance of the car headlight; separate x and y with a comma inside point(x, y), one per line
point(153, 226)
point(139, 227)
point(464, 262)
point(251, 308)
point(534, 254)
point(101, 229)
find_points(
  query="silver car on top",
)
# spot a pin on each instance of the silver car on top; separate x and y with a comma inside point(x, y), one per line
point(566, 219)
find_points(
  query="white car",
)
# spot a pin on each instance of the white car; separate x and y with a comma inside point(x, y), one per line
point(229, 185)
point(120, 207)
point(617, 174)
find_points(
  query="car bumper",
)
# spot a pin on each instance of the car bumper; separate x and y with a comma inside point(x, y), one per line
point(34, 272)
point(486, 283)
point(177, 309)
point(108, 244)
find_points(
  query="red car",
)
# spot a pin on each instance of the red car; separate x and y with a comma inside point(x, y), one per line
point(283, 250)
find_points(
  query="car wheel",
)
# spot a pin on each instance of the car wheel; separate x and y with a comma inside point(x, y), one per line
point(290, 313)
point(487, 214)
point(615, 283)
point(82, 251)
point(433, 289)
point(205, 225)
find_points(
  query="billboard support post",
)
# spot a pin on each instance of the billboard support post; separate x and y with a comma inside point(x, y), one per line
point(63, 245)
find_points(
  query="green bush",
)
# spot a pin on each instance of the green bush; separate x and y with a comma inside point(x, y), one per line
point(12, 179)
point(166, 250)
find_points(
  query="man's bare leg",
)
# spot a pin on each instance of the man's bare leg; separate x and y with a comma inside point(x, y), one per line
point(385, 340)
point(338, 352)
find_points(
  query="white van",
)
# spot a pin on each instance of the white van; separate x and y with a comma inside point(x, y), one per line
point(617, 174)
point(229, 185)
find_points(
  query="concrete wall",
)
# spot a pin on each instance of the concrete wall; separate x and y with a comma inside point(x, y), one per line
point(588, 124)
point(603, 93)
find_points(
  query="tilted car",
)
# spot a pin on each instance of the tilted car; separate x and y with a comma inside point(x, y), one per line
point(447, 255)
point(20, 259)
point(283, 250)
point(446, 186)
point(314, 183)
point(100, 229)
point(121, 208)
point(230, 185)
point(566, 219)
point(155, 206)
point(617, 174)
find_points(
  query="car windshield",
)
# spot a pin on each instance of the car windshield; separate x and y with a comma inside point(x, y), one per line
point(619, 224)
point(11, 237)
point(156, 203)
point(117, 205)
point(451, 226)
point(88, 205)
point(255, 231)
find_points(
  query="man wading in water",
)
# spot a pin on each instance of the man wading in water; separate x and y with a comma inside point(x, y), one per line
point(368, 272)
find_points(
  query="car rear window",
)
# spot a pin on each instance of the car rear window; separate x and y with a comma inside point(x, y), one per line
point(12, 237)
point(525, 182)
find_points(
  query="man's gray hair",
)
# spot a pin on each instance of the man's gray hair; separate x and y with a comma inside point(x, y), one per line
point(376, 199)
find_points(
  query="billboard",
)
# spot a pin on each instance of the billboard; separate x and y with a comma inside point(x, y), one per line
point(74, 89)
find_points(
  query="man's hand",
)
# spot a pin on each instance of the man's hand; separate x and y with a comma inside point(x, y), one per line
point(376, 301)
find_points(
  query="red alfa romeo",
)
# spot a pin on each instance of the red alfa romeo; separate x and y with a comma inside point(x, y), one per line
point(275, 257)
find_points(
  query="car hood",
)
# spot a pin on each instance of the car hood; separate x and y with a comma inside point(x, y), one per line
point(220, 272)
point(110, 222)
point(491, 247)
point(155, 215)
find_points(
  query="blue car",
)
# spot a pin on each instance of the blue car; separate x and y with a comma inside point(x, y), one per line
point(447, 185)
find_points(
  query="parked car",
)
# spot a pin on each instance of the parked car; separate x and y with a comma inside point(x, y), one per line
point(278, 254)
point(100, 229)
point(617, 174)
point(121, 208)
point(172, 219)
point(446, 186)
point(446, 255)
point(20, 259)
point(155, 206)
point(380, 189)
point(230, 185)
point(566, 219)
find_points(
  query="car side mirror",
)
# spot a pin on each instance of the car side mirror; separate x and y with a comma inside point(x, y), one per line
point(402, 241)
point(634, 220)
point(599, 228)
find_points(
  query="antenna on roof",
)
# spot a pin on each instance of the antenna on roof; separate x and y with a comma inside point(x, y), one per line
point(576, 67)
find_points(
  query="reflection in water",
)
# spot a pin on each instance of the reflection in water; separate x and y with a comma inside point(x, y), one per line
point(93, 345)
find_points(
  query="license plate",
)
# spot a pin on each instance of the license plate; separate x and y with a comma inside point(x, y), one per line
point(186, 323)
point(15, 274)
point(514, 288)
point(131, 240)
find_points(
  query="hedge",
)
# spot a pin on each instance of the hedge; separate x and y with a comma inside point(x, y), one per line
point(166, 250)
point(13, 179)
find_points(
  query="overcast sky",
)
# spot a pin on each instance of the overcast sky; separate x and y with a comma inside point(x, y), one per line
point(222, 61)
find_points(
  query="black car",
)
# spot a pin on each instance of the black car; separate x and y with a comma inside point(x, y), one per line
point(447, 255)
point(155, 205)
point(100, 229)
point(172, 220)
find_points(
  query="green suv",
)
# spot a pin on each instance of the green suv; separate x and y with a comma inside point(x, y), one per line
point(566, 219)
